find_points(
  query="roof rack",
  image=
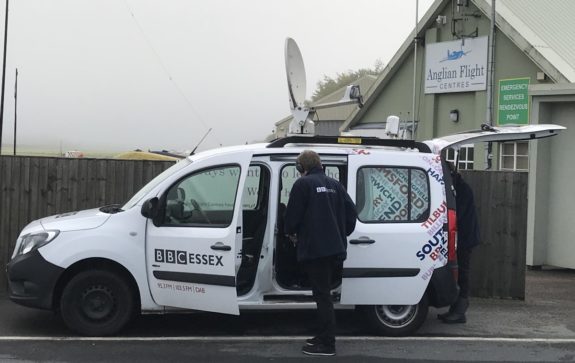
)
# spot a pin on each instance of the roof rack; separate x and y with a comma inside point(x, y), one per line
point(349, 140)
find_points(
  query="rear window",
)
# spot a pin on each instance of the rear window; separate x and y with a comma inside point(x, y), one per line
point(392, 194)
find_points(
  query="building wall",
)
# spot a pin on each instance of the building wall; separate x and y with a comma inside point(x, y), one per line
point(395, 99)
point(549, 219)
point(432, 110)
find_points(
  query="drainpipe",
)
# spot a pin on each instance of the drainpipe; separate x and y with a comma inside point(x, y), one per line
point(3, 75)
point(490, 77)
point(414, 73)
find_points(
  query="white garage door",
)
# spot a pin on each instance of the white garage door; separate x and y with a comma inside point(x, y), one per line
point(561, 228)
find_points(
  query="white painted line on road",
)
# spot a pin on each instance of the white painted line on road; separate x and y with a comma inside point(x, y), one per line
point(286, 338)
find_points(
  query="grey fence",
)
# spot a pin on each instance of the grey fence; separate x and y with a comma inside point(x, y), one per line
point(34, 187)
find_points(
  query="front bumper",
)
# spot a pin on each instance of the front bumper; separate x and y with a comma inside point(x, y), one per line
point(32, 279)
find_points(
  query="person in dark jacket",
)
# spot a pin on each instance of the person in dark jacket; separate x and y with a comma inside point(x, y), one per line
point(319, 217)
point(467, 239)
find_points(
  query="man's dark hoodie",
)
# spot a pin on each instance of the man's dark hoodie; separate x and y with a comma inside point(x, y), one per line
point(322, 215)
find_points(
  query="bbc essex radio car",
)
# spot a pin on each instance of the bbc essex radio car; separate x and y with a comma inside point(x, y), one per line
point(207, 235)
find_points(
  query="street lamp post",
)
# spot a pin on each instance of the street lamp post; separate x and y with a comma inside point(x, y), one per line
point(15, 109)
point(3, 75)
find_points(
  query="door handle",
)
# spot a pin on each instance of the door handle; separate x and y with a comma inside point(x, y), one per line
point(219, 246)
point(362, 241)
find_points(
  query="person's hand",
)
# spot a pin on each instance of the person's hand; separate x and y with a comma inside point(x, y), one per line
point(293, 238)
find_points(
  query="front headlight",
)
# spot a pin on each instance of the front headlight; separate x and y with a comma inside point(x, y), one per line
point(33, 241)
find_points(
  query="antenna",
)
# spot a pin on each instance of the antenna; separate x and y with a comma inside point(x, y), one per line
point(302, 123)
point(206, 134)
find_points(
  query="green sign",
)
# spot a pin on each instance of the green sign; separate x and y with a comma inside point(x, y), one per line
point(513, 101)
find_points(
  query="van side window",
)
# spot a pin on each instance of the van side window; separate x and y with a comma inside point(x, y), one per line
point(392, 194)
point(203, 199)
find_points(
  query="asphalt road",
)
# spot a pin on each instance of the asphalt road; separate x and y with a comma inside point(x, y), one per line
point(284, 351)
point(541, 328)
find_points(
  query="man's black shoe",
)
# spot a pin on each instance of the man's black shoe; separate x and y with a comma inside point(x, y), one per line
point(312, 341)
point(442, 316)
point(318, 349)
point(447, 313)
point(454, 318)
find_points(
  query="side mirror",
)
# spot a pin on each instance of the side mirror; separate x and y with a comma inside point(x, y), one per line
point(150, 208)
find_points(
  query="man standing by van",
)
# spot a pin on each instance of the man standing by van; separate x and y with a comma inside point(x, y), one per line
point(319, 216)
point(467, 238)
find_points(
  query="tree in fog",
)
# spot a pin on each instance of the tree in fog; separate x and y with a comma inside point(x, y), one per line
point(329, 85)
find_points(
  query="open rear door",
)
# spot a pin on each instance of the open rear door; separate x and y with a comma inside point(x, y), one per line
point(494, 134)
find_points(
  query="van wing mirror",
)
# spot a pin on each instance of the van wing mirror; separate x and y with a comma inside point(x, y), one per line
point(150, 208)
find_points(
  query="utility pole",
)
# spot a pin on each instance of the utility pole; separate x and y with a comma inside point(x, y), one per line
point(15, 109)
point(490, 77)
point(3, 76)
point(414, 73)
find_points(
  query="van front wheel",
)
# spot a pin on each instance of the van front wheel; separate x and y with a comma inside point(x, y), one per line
point(396, 320)
point(97, 303)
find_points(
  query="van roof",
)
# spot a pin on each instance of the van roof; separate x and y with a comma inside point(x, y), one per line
point(327, 145)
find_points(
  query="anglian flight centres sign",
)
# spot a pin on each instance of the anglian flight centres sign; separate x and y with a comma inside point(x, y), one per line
point(456, 66)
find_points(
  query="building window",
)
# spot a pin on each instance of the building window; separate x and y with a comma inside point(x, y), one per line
point(514, 156)
point(466, 157)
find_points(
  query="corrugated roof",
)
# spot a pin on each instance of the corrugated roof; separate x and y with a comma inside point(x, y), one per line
point(541, 29)
point(552, 21)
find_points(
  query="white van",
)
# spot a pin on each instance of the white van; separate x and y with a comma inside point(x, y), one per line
point(206, 235)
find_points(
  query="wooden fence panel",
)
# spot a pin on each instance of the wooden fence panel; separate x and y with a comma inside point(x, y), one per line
point(498, 263)
point(35, 187)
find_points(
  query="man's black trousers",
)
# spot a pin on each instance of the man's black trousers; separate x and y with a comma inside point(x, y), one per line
point(464, 268)
point(320, 273)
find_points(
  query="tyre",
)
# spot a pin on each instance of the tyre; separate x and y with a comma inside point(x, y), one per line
point(97, 303)
point(396, 320)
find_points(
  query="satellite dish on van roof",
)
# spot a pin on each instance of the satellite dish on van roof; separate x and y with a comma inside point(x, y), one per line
point(295, 71)
point(302, 114)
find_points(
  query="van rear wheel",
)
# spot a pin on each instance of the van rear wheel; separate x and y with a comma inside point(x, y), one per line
point(396, 320)
point(97, 303)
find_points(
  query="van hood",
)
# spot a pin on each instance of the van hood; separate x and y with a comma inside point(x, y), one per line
point(75, 221)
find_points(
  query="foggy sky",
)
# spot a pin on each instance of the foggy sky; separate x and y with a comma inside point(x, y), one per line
point(94, 77)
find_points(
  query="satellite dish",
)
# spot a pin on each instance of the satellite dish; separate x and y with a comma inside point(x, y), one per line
point(302, 123)
point(295, 71)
